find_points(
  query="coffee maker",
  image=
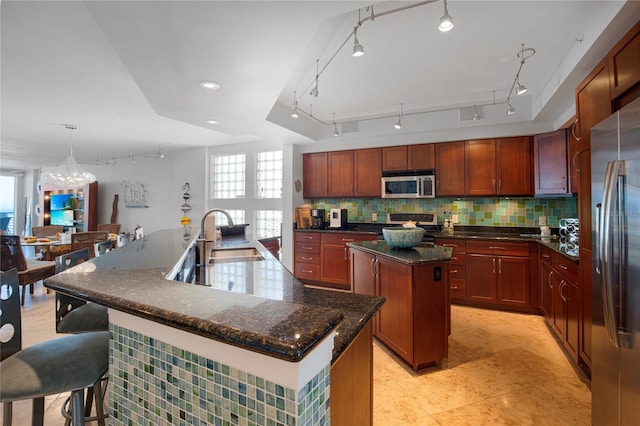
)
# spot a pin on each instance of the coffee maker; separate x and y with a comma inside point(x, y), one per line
point(318, 217)
point(338, 218)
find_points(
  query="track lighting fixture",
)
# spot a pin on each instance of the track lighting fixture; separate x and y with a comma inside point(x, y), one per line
point(358, 50)
point(314, 91)
point(520, 89)
point(446, 22)
point(511, 110)
point(335, 127)
point(476, 116)
point(398, 124)
point(294, 113)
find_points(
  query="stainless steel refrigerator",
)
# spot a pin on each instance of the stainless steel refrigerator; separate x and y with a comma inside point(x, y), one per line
point(615, 191)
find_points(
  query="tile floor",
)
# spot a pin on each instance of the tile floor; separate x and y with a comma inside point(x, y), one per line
point(503, 369)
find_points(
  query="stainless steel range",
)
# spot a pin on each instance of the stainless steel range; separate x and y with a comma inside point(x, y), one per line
point(428, 221)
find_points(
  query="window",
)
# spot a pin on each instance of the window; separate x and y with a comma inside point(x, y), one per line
point(269, 175)
point(269, 223)
point(236, 215)
point(228, 176)
point(7, 204)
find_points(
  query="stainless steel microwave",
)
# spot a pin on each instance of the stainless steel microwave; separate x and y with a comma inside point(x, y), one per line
point(417, 184)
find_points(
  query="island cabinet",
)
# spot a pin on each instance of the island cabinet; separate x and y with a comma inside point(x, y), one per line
point(498, 273)
point(457, 266)
point(449, 169)
point(550, 163)
point(409, 157)
point(414, 321)
point(498, 166)
point(307, 256)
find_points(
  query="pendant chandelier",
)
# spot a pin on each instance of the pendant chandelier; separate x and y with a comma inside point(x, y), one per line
point(69, 174)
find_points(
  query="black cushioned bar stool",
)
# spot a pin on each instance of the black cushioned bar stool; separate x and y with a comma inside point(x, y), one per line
point(67, 364)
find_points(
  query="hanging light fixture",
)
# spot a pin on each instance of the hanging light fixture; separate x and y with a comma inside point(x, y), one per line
point(523, 54)
point(294, 113)
point(314, 91)
point(398, 124)
point(335, 127)
point(69, 174)
point(358, 50)
point(520, 88)
point(446, 22)
point(511, 109)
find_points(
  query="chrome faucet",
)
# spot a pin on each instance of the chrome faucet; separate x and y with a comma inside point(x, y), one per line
point(201, 242)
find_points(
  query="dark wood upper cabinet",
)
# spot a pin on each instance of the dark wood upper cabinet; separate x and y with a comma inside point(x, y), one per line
point(421, 156)
point(367, 172)
point(513, 159)
point(449, 168)
point(314, 175)
point(593, 101)
point(394, 158)
point(480, 167)
point(624, 63)
point(340, 173)
point(550, 163)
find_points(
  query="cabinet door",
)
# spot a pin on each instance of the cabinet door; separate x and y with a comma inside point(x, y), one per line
point(593, 101)
point(550, 159)
point(481, 277)
point(314, 175)
point(340, 171)
point(559, 305)
point(363, 273)
point(573, 159)
point(334, 266)
point(513, 280)
point(449, 169)
point(394, 158)
point(546, 292)
point(624, 63)
point(395, 318)
point(584, 202)
point(367, 172)
point(480, 167)
point(421, 156)
point(572, 296)
point(513, 158)
point(586, 312)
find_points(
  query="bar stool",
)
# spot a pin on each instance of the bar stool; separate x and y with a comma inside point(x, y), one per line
point(67, 364)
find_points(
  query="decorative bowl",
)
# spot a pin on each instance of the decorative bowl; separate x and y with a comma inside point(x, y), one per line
point(401, 237)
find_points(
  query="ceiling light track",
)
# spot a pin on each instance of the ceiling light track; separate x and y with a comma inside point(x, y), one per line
point(523, 54)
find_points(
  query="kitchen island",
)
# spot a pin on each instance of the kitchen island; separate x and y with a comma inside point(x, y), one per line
point(241, 341)
point(415, 320)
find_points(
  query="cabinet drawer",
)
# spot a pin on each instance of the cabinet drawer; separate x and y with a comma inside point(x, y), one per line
point(457, 271)
point(565, 266)
point(333, 238)
point(458, 246)
point(307, 237)
point(546, 255)
point(307, 258)
point(304, 247)
point(457, 288)
point(498, 248)
point(307, 271)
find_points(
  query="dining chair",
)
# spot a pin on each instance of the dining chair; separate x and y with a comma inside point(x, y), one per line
point(29, 271)
point(102, 247)
point(81, 240)
point(66, 364)
point(112, 228)
point(46, 230)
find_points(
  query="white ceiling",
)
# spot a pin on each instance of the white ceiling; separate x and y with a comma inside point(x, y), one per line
point(127, 73)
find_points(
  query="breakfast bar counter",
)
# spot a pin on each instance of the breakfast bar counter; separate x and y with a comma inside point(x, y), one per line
point(251, 320)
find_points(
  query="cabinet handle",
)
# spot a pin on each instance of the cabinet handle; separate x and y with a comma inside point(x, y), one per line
point(307, 248)
point(346, 253)
point(563, 266)
point(564, 183)
point(573, 128)
point(499, 185)
point(494, 266)
point(449, 245)
point(307, 271)
point(373, 267)
point(550, 283)
point(500, 266)
point(573, 161)
point(347, 239)
point(307, 238)
point(454, 258)
point(496, 248)
point(563, 284)
point(307, 258)
point(493, 183)
point(546, 256)
point(454, 271)
point(454, 287)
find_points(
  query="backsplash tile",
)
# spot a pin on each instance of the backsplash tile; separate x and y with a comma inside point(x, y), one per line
point(521, 212)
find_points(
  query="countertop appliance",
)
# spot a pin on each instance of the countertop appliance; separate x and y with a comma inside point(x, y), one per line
point(428, 221)
point(318, 218)
point(615, 189)
point(338, 218)
point(414, 184)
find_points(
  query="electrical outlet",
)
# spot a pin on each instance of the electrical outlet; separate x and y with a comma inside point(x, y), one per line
point(374, 217)
point(454, 218)
point(542, 221)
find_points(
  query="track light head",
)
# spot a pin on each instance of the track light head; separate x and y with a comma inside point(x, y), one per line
point(358, 50)
point(511, 110)
point(476, 116)
point(314, 92)
point(520, 89)
point(446, 22)
point(335, 127)
point(398, 124)
point(294, 113)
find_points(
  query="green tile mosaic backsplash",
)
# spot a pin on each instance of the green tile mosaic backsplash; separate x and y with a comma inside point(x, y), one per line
point(520, 212)
point(155, 383)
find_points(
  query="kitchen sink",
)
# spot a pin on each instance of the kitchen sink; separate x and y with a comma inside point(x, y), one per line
point(234, 255)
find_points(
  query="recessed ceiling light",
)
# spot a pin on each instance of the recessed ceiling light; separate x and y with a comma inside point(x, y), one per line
point(210, 85)
point(211, 121)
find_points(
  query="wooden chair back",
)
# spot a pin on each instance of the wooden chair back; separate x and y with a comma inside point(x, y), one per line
point(81, 240)
point(46, 231)
point(112, 228)
point(10, 319)
point(11, 255)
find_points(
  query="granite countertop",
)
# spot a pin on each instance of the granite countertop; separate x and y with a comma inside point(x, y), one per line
point(423, 253)
point(259, 306)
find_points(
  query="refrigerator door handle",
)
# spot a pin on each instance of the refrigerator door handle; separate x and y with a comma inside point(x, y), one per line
point(605, 251)
point(598, 233)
